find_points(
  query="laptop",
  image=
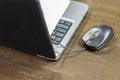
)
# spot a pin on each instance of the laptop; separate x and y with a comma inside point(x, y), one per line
point(40, 27)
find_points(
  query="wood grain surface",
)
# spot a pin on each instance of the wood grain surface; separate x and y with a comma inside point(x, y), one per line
point(85, 65)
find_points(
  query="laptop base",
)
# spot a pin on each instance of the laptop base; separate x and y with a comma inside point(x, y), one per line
point(75, 14)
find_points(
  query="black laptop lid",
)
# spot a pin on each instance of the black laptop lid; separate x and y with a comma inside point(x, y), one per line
point(22, 27)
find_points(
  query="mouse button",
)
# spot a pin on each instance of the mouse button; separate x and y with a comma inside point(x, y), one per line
point(98, 41)
point(95, 35)
point(96, 44)
point(87, 36)
point(96, 38)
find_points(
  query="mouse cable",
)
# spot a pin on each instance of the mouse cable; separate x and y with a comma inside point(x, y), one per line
point(76, 51)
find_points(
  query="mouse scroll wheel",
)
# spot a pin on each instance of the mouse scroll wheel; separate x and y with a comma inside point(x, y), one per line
point(95, 35)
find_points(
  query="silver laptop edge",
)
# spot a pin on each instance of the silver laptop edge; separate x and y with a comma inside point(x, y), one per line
point(74, 13)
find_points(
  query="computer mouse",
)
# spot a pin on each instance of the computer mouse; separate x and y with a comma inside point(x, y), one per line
point(97, 37)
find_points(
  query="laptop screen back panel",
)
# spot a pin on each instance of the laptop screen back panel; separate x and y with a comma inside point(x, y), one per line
point(22, 27)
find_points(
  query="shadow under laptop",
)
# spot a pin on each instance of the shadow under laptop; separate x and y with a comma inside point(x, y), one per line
point(24, 66)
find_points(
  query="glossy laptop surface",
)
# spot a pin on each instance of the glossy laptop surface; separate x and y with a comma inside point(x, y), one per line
point(22, 27)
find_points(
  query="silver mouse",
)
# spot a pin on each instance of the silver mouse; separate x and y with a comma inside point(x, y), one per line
point(97, 37)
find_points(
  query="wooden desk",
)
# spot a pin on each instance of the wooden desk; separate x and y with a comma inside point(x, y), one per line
point(86, 65)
